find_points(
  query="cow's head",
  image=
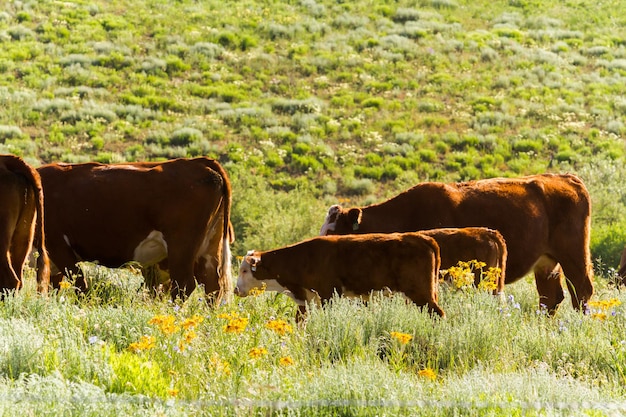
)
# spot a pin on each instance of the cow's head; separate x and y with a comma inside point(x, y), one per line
point(246, 281)
point(340, 221)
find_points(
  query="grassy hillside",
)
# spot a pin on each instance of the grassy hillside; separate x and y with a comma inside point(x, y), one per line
point(353, 100)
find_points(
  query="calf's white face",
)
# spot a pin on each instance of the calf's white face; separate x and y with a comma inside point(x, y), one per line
point(331, 220)
point(246, 280)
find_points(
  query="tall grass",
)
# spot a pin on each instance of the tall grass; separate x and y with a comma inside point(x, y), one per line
point(117, 350)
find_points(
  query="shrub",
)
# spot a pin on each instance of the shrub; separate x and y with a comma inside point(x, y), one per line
point(10, 132)
point(185, 136)
point(607, 244)
point(361, 186)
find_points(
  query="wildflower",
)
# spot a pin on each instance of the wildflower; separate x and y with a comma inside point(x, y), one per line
point(219, 365)
point(255, 292)
point(189, 335)
point(489, 281)
point(279, 326)
point(427, 373)
point(599, 316)
point(257, 352)
point(192, 322)
point(236, 325)
point(64, 285)
point(403, 338)
point(93, 340)
point(286, 361)
point(228, 316)
point(165, 323)
point(145, 343)
point(605, 304)
point(172, 392)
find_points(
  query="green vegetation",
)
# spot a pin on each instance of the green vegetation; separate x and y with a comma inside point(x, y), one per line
point(308, 103)
point(118, 351)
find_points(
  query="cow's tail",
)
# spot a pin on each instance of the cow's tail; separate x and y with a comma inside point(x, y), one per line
point(225, 280)
point(18, 166)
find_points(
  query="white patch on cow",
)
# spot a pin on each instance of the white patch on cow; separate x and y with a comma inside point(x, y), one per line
point(246, 282)
point(151, 250)
point(329, 226)
point(204, 249)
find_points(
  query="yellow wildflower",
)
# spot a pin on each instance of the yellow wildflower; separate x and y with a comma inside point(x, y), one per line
point(279, 326)
point(64, 285)
point(257, 352)
point(427, 373)
point(192, 322)
point(165, 323)
point(173, 392)
point(489, 282)
point(145, 343)
point(189, 335)
point(605, 304)
point(599, 316)
point(228, 316)
point(286, 361)
point(403, 338)
point(236, 325)
point(255, 292)
point(219, 365)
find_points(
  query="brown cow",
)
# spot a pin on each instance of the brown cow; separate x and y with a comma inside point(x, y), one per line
point(348, 265)
point(472, 243)
point(21, 223)
point(544, 219)
point(175, 214)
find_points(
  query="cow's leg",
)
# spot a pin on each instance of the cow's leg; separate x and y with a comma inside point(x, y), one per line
point(578, 277)
point(548, 281)
point(425, 298)
point(22, 239)
point(213, 265)
point(570, 248)
point(8, 278)
point(206, 273)
point(181, 273)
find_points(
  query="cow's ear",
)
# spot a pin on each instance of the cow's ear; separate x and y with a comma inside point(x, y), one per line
point(354, 215)
point(253, 261)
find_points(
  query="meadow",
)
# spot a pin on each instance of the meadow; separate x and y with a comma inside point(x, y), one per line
point(306, 104)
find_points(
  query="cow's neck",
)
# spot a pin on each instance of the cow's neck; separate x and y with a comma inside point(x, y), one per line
point(273, 270)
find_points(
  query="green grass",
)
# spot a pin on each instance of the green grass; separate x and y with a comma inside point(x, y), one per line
point(83, 355)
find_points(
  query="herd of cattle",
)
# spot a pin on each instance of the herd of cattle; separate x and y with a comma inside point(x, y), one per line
point(175, 215)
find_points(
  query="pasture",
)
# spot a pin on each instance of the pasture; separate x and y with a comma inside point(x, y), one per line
point(117, 351)
point(306, 104)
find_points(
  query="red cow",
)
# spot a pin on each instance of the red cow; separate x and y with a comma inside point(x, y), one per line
point(175, 214)
point(544, 219)
point(21, 223)
point(348, 265)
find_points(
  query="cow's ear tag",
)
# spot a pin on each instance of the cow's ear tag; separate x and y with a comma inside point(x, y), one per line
point(355, 226)
point(253, 268)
